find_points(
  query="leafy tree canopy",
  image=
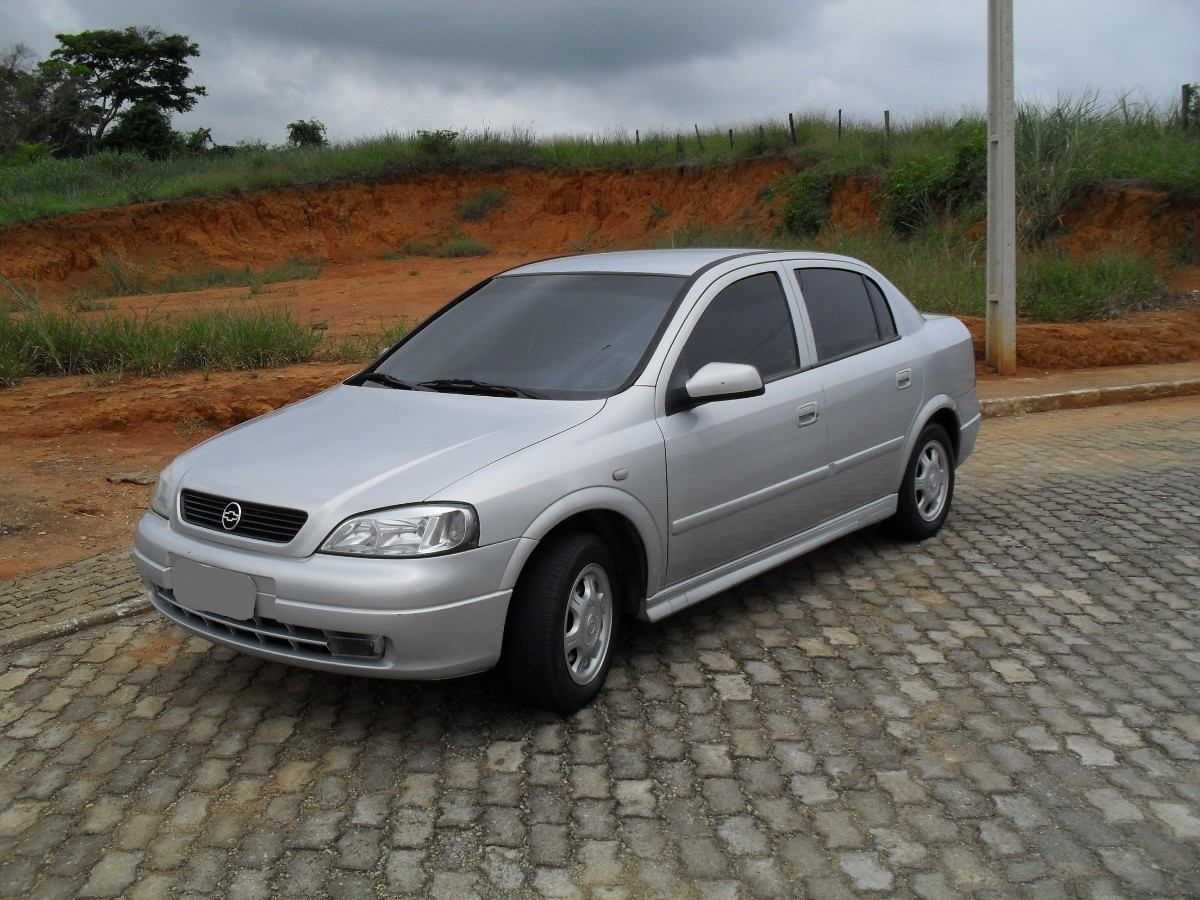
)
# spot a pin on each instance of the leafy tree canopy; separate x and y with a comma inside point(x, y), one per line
point(119, 68)
point(144, 128)
point(306, 133)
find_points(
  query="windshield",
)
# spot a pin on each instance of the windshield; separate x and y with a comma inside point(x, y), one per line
point(573, 337)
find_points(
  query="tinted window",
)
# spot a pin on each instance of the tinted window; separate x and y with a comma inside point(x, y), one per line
point(559, 336)
point(843, 317)
point(748, 322)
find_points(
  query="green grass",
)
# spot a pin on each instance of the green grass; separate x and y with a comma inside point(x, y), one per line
point(1053, 288)
point(478, 205)
point(124, 278)
point(1060, 146)
point(34, 341)
point(461, 245)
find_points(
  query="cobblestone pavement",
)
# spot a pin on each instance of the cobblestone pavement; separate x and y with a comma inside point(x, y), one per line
point(68, 591)
point(1011, 709)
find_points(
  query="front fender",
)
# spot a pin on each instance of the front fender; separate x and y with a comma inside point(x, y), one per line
point(588, 500)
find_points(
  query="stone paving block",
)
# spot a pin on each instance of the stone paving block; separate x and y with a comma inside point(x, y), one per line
point(1007, 709)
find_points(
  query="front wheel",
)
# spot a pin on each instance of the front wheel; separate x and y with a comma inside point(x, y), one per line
point(928, 486)
point(562, 624)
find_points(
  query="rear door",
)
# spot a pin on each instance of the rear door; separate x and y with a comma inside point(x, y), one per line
point(742, 474)
point(873, 389)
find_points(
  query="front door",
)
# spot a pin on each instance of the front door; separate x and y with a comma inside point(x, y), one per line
point(742, 474)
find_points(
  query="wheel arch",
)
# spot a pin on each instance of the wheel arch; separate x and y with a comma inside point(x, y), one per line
point(620, 520)
point(939, 409)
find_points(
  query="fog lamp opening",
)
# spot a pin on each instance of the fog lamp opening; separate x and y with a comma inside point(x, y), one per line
point(361, 646)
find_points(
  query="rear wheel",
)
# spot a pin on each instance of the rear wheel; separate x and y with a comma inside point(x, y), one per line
point(562, 624)
point(928, 486)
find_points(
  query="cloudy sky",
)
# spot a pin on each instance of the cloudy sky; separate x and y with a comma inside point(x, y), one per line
point(365, 66)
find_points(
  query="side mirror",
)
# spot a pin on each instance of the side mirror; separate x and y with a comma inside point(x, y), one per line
point(723, 381)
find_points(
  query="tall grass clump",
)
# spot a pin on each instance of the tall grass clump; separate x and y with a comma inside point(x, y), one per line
point(478, 205)
point(125, 278)
point(461, 245)
point(34, 341)
point(1053, 287)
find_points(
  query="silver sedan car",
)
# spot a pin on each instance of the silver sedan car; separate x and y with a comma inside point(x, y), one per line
point(568, 442)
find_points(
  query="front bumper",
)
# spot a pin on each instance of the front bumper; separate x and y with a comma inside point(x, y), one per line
point(438, 617)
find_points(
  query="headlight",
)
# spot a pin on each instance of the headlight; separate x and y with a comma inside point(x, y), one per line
point(164, 495)
point(406, 531)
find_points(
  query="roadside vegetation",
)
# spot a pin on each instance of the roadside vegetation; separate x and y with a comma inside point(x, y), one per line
point(37, 341)
point(124, 278)
point(944, 273)
point(1061, 147)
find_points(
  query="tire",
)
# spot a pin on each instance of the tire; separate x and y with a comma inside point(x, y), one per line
point(928, 486)
point(567, 594)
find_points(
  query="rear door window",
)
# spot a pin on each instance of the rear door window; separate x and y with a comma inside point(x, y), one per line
point(848, 312)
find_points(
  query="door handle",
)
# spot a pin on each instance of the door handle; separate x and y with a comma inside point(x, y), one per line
point(903, 379)
point(807, 414)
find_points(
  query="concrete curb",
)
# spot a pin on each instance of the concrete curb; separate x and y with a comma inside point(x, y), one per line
point(992, 407)
point(64, 627)
point(1087, 397)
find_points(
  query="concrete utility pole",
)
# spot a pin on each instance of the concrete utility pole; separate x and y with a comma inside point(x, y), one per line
point(1002, 193)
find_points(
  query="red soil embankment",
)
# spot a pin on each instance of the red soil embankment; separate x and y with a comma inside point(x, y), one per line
point(545, 212)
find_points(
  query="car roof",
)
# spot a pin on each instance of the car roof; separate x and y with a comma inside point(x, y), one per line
point(660, 262)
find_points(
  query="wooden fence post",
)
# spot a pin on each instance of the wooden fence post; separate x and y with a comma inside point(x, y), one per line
point(839, 126)
point(730, 138)
point(887, 132)
point(699, 140)
point(1185, 105)
point(792, 126)
point(678, 144)
point(637, 138)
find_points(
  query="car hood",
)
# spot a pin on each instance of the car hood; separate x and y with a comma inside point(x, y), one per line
point(353, 449)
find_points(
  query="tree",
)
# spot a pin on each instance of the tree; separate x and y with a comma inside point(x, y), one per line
point(120, 68)
point(144, 128)
point(38, 107)
point(198, 142)
point(306, 133)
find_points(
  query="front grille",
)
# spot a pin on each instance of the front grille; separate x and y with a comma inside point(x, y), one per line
point(265, 523)
point(263, 631)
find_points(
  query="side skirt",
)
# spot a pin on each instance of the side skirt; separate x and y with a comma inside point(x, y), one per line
point(679, 596)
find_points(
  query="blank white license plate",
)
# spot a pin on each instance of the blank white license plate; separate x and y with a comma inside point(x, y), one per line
point(210, 589)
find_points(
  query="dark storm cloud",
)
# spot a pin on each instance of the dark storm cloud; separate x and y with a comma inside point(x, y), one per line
point(567, 39)
point(365, 66)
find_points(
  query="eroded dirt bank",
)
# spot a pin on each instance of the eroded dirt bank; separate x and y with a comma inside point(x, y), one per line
point(545, 212)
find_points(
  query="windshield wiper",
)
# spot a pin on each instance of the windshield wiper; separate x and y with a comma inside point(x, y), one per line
point(386, 380)
point(471, 386)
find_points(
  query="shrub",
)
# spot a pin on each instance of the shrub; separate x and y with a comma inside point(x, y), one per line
point(923, 187)
point(806, 201)
point(461, 246)
point(144, 128)
point(480, 204)
point(24, 153)
point(437, 144)
point(306, 134)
